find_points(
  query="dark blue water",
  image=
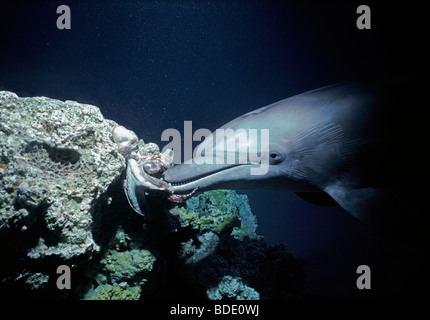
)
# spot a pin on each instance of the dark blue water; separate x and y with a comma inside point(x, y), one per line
point(151, 65)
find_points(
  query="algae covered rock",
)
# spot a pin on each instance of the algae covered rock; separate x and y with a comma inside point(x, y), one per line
point(122, 270)
point(219, 210)
point(57, 161)
point(125, 265)
point(230, 288)
point(126, 260)
point(114, 292)
point(225, 255)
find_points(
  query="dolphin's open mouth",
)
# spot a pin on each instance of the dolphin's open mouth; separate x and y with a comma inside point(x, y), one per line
point(185, 177)
point(179, 183)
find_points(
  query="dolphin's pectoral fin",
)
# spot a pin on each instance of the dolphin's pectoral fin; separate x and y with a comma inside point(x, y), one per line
point(357, 201)
point(318, 198)
point(376, 207)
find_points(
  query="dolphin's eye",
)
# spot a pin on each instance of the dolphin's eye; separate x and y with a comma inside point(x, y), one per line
point(275, 157)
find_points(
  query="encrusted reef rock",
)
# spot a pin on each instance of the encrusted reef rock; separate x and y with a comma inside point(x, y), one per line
point(121, 271)
point(232, 288)
point(224, 254)
point(57, 160)
point(62, 203)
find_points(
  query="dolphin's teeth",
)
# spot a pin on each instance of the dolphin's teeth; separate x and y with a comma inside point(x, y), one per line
point(180, 183)
point(184, 182)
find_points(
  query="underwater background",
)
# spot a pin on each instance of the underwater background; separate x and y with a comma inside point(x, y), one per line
point(151, 65)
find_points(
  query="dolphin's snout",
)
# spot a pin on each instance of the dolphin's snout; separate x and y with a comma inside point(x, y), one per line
point(175, 174)
point(182, 178)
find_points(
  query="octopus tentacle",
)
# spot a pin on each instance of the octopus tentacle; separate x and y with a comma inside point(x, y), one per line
point(141, 165)
point(181, 198)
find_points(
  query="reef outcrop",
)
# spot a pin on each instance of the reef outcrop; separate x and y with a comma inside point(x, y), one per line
point(57, 160)
point(62, 202)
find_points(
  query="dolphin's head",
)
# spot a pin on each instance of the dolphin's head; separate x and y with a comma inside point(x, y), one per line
point(250, 152)
point(336, 139)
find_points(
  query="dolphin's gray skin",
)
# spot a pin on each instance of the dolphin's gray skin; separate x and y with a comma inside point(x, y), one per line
point(347, 140)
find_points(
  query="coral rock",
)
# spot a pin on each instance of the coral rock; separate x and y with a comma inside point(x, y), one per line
point(57, 160)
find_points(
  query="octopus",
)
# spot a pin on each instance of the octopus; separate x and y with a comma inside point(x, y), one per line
point(143, 168)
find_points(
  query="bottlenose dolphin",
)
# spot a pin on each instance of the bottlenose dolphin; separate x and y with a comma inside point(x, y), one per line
point(347, 142)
